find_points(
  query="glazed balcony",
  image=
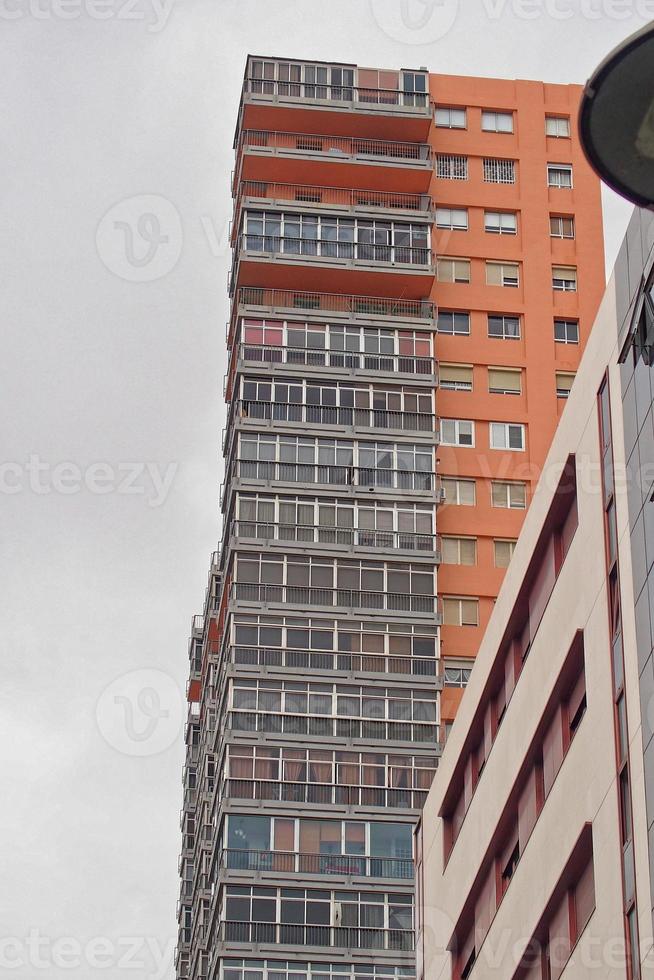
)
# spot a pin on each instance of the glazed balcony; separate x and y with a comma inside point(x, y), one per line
point(351, 362)
point(300, 936)
point(343, 537)
point(324, 794)
point(366, 729)
point(335, 660)
point(340, 308)
point(342, 160)
point(296, 96)
point(285, 862)
point(338, 200)
point(305, 596)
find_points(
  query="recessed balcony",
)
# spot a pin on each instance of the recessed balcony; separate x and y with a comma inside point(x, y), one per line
point(296, 96)
point(342, 160)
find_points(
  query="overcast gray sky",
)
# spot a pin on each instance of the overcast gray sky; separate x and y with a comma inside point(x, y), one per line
point(111, 408)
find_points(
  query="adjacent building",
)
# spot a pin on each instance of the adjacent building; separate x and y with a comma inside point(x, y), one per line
point(534, 851)
point(417, 260)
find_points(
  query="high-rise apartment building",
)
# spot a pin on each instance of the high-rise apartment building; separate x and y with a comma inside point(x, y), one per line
point(535, 854)
point(417, 259)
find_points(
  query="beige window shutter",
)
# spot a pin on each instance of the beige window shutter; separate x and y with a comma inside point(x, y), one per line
point(504, 379)
point(455, 372)
point(564, 381)
point(493, 273)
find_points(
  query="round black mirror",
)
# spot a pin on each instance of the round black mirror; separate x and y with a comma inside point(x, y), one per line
point(616, 119)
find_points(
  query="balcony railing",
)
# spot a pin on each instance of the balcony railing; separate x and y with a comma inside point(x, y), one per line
point(358, 728)
point(332, 660)
point(284, 300)
point(340, 476)
point(324, 92)
point(346, 536)
point(343, 197)
point(347, 360)
point(324, 794)
point(342, 937)
point(325, 248)
point(300, 595)
point(317, 864)
point(368, 418)
point(337, 147)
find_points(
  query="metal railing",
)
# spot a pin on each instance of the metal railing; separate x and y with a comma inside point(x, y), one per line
point(300, 595)
point(370, 418)
point(290, 245)
point(336, 146)
point(346, 197)
point(324, 92)
point(347, 536)
point(285, 300)
point(348, 360)
point(332, 660)
point(341, 476)
point(324, 794)
point(233, 859)
point(358, 728)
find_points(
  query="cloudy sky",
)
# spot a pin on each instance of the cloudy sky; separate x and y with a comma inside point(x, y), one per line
point(110, 387)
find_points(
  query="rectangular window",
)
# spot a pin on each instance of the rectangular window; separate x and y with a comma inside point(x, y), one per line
point(497, 122)
point(498, 171)
point(510, 495)
point(564, 278)
point(562, 226)
point(455, 219)
point(460, 611)
point(504, 327)
point(451, 166)
point(504, 381)
point(563, 384)
point(503, 551)
point(455, 377)
point(450, 118)
point(453, 270)
point(453, 322)
point(459, 492)
point(507, 435)
point(558, 126)
point(559, 175)
point(457, 432)
point(459, 551)
point(502, 274)
point(501, 222)
point(566, 331)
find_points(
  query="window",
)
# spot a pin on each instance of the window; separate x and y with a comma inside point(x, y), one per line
point(510, 495)
point(507, 435)
point(502, 274)
point(450, 321)
point(497, 122)
point(557, 126)
point(563, 384)
point(451, 166)
point(450, 118)
point(455, 219)
point(562, 226)
point(457, 432)
point(566, 331)
point(498, 171)
point(503, 551)
point(453, 270)
point(564, 278)
point(504, 327)
point(460, 492)
point(459, 551)
point(456, 676)
point(504, 381)
point(455, 377)
point(460, 611)
point(559, 175)
point(501, 222)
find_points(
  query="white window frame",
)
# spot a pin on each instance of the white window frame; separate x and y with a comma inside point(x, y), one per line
point(458, 424)
point(561, 285)
point(510, 229)
point(446, 118)
point(458, 502)
point(574, 323)
point(453, 332)
point(494, 430)
point(509, 484)
point(490, 121)
point(446, 385)
point(505, 391)
point(505, 336)
point(564, 392)
point(460, 599)
point(557, 120)
point(497, 170)
point(445, 219)
point(458, 538)
point(560, 218)
point(510, 282)
point(559, 169)
point(512, 542)
point(451, 166)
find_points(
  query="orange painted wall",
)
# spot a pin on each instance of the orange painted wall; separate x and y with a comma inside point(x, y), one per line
point(535, 300)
